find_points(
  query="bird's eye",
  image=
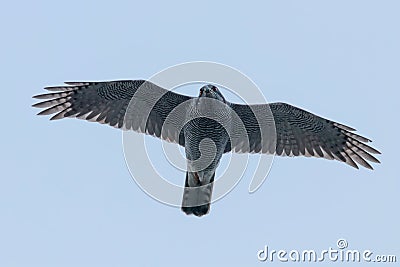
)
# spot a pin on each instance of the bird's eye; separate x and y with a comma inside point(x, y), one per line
point(214, 89)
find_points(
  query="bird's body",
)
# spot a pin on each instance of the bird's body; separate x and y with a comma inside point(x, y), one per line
point(205, 142)
point(209, 121)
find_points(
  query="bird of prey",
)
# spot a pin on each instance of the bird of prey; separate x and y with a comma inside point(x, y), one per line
point(298, 132)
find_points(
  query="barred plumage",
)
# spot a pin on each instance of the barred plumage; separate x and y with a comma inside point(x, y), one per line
point(301, 133)
point(150, 110)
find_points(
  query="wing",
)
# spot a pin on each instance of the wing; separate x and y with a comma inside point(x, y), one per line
point(131, 105)
point(301, 133)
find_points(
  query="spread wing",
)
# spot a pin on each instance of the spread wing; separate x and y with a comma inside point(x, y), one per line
point(301, 133)
point(109, 103)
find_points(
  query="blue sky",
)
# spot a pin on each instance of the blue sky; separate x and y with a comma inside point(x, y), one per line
point(66, 196)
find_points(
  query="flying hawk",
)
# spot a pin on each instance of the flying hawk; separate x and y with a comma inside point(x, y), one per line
point(208, 122)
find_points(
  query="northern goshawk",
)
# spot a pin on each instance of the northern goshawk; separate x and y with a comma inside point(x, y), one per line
point(208, 124)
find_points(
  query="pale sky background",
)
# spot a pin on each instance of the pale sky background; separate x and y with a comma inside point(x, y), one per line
point(66, 196)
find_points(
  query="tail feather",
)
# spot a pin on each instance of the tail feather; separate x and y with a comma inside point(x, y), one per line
point(197, 196)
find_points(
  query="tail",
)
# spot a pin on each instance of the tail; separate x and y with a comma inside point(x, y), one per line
point(197, 196)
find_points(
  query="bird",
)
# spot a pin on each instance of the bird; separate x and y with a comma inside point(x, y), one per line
point(204, 126)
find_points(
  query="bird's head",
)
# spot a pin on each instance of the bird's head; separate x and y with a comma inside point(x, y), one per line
point(211, 91)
